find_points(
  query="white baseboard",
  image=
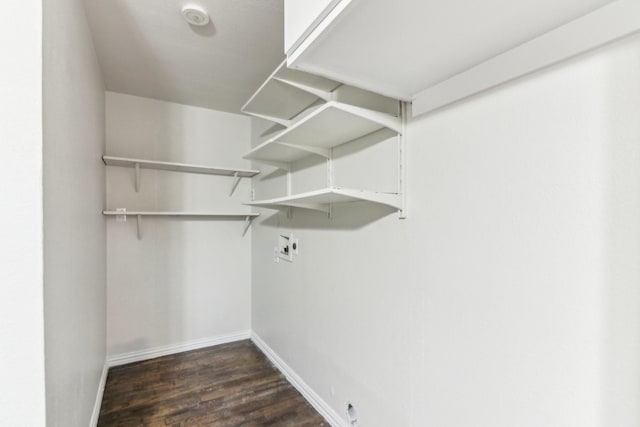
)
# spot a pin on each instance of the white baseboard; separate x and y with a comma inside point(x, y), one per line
point(307, 392)
point(137, 356)
point(96, 406)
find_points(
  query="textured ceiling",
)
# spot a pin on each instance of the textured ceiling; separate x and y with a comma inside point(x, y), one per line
point(145, 48)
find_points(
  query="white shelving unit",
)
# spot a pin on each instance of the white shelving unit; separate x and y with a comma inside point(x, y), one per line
point(138, 164)
point(451, 52)
point(318, 115)
point(321, 200)
point(324, 127)
point(121, 213)
point(221, 215)
point(286, 93)
point(121, 216)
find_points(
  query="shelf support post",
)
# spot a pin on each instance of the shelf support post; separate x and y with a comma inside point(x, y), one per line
point(403, 161)
point(322, 94)
point(139, 225)
point(137, 177)
point(236, 181)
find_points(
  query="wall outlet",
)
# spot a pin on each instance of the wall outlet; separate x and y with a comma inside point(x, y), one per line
point(285, 243)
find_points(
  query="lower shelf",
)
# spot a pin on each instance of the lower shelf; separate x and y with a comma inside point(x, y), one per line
point(192, 214)
point(248, 216)
point(320, 200)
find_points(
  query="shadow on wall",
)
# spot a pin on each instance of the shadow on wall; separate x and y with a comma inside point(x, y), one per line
point(273, 175)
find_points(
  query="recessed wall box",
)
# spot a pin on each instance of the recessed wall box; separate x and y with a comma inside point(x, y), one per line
point(285, 249)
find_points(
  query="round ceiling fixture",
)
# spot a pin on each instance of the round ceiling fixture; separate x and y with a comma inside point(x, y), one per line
point(195, 15)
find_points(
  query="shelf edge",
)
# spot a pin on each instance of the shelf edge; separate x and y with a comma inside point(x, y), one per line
point(149, 164)
point(168, 213)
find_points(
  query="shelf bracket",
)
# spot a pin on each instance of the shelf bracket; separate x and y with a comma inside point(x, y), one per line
point(137, 172)
point(236, 180)
point(324, 152)
point(402, 213)
point(289, 212)
point(330, 212)
point(284, 122)
point(322, 94)
point(391, 122)
point(139, 226)
point(280, 165)
point(247, 223)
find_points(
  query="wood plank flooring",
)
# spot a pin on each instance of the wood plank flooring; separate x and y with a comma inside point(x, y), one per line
point(228, 385)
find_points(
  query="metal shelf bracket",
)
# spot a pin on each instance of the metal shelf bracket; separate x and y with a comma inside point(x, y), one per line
point(402, 213)
point(247, 224)
point(236, 181)
point(137, 172)
point(139, 226)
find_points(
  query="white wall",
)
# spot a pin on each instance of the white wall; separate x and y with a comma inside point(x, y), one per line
point(186, 280)
point(74, 229)
point(509, 297)
point(22, 391)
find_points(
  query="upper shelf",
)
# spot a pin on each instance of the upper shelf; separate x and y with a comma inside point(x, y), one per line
point(286, 93)
point(183, 214)
point(322, 128)
point(440, 52)
point(321, 199)
point(177, 167)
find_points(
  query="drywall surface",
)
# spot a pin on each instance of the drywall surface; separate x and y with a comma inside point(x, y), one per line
point(22, 391)
point(74, 229)
point(509, 296)
point(187, 279)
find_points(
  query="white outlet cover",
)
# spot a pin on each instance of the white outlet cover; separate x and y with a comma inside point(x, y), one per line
point(285, 241)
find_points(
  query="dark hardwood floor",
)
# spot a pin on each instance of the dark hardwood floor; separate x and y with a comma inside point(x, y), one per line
point(228, 385)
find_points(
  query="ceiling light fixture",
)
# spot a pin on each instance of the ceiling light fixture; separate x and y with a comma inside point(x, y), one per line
point(195, 15)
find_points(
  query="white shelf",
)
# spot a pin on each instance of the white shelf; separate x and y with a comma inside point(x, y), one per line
point(286, 93)
point(322, 128)
point(321, 200)
point(319, 114)
point(178, 214)
point(122, 216)
point(440, 52)
point(177, 167)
